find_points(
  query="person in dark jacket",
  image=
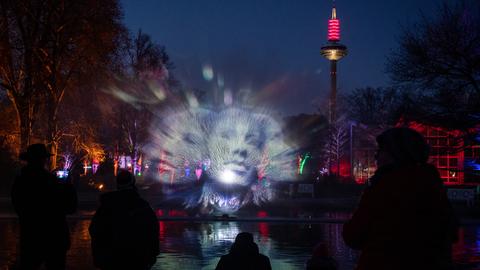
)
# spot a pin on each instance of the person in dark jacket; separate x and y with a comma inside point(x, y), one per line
point(243, 255)
point(124, 230)
point(42, 202)
point(404, 219)
point(321, 259)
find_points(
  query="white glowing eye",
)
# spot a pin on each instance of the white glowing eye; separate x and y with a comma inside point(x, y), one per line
point(227, 176)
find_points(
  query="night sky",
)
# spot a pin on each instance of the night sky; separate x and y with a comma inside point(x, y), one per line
point(271, 48)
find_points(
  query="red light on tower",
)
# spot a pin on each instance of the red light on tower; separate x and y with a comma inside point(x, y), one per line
point(333, 51)
point(334, 27)
point(334, 30)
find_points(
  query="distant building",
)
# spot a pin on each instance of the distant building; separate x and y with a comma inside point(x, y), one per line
point(457, 164)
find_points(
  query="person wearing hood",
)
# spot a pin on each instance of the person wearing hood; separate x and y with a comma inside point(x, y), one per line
point(321, 259)
point(244, 254)
point(124, 229)
point(42, 202)
point(404, 219)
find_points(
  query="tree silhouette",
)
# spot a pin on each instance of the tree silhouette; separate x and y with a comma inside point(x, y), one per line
point(335, 147)
point(45, 47)
point(438, 61)
point(145, 83)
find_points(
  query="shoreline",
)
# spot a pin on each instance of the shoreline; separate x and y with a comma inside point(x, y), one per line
point(284, 210)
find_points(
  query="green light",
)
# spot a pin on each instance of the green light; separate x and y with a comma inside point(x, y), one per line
point(302, 163)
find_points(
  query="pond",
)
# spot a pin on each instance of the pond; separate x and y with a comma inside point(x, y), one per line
point(199, 245)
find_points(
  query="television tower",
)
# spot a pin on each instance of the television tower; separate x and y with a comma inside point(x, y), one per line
point(333, 51)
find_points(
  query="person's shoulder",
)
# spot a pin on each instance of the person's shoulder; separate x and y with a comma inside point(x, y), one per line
point(21, 176)
point(397, 174)
point(225, 262)
point(138, 199)
point(226, 256)
point(31, 171)
point(109, 197)
point(146, 205)
point(264, 261)
point(134, 197)
point(264, 258)
point(125, 198)
point(226, 259)
point(423, 175)
point(322, 263)
point(430, 169)
point(431, 176)
point(52, 178)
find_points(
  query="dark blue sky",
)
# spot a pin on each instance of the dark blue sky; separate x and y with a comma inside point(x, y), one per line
point(270, 48)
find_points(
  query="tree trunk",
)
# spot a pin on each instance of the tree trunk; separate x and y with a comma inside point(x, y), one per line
point(24, 112)
point(52, 135)
point(54, 152)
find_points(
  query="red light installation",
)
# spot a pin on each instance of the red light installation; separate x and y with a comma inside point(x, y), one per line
point(263, 226)
point(334, 30)
point(263, 230)
point(342, 168)
point(161, 229)
point(443, 155)
point(262, 214)
point(177, 213)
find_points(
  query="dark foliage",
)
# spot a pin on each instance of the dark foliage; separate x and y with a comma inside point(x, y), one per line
point(439, 61)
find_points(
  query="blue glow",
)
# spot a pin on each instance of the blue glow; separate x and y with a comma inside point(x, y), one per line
point(472, 164)
point(62, 174)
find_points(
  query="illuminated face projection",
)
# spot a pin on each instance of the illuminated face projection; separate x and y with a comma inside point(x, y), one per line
point(229, 158)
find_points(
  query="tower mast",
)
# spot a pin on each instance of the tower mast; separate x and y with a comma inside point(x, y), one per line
point(333, 51)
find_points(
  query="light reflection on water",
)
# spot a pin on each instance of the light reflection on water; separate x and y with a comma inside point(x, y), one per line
point(287, 245)
point(198, 245)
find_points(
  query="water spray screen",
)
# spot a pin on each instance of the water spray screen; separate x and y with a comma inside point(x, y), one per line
point(229, 158)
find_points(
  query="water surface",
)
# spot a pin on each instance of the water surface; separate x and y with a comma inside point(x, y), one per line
point(198, 245)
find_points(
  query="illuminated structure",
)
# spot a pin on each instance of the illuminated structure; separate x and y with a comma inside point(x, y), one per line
point(333, 51)
point(457, 163)
point(301, 162)
point(231, 157)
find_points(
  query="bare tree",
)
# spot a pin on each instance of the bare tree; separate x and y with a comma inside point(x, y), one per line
point(335, 148)
point(145, 83)
point(20, 37)
point(45, 46)
point(375, 107)
point(439, 60)
point(82, 37)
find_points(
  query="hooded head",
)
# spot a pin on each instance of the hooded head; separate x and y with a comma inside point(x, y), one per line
point(403, 146)
point(125, 180)
point(244, 244)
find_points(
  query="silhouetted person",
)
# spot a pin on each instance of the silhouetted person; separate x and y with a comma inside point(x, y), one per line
point(244, 255)
point(42, 201)
point(321, 259)
point(124, 230)
point(404, 219)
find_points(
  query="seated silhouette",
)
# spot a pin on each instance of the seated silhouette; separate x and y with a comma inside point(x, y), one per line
point(244, 255)
point(321, 259)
